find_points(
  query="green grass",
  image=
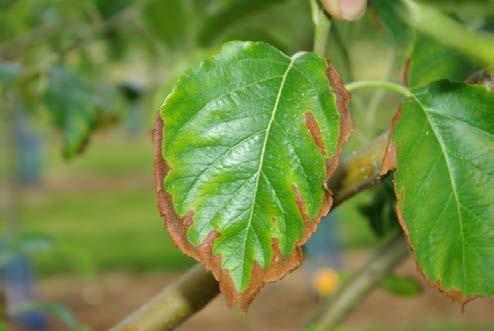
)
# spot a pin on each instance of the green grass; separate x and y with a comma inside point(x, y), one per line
point(118, 229)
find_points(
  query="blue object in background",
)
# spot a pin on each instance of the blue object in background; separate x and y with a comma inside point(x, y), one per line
point(324, 260)
point(18, 284)
point(324, 247)
point(17, 273)
point(28, 147)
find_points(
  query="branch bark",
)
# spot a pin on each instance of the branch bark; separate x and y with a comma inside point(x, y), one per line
point(175, 303)
point(341, 304)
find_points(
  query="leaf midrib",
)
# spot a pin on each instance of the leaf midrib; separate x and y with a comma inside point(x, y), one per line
point(451, 177)
point(263, 152)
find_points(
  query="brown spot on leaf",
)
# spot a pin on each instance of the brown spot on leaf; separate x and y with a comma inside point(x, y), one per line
point(310, 226)
point(343, 98)
point(280, 265)
point(315, 131)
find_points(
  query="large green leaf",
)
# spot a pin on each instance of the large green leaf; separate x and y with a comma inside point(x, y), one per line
point(444, 181)
point(251, 136)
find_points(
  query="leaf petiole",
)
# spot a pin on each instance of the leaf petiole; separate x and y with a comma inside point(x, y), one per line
point(322, 26)
point(379, 84)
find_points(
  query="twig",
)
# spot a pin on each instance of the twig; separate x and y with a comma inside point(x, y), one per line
point(175, 303)
point(342, 303)
point(359, 171)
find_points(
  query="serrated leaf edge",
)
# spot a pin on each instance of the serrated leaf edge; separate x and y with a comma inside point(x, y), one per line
point(280, 265)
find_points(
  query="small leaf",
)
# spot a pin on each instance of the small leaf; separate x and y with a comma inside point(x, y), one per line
point(444, 182)
point(380, 211)
point(431, 60)
point(390, 12)
point(166, 20)
point(406, 287)
point(216, 24)
point(110, 8)
point(74, 108)
point(251, 137)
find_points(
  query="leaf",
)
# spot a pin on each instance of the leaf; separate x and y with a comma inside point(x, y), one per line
point(216, 23)
point(110, 8)
point(431, 60)
point(444, 182)
point(406, 287)
point(380, 211)
point(166, 20)
point(251, 137)
point(74, 108)
point(390, 12)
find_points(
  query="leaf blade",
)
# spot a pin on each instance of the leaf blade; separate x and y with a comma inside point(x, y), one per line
point(244, 211)
point(443, 138)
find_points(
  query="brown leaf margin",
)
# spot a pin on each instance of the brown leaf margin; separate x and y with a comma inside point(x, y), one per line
point(390, 163)
point(280, 265)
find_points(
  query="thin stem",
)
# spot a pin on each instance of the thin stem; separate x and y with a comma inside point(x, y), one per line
point(322, 25)
point(371, 273)
point(175, 303)
point(379, 84)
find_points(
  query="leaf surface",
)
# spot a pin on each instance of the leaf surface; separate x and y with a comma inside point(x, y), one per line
point(432, 60)
point(401, 286)
point(444, 181)
point(390, 12)
point(251, 136)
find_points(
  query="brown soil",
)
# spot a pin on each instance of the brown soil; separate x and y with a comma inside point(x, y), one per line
point(286, 305)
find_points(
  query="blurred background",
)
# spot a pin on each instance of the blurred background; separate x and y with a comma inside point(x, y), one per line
point(82, 243)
